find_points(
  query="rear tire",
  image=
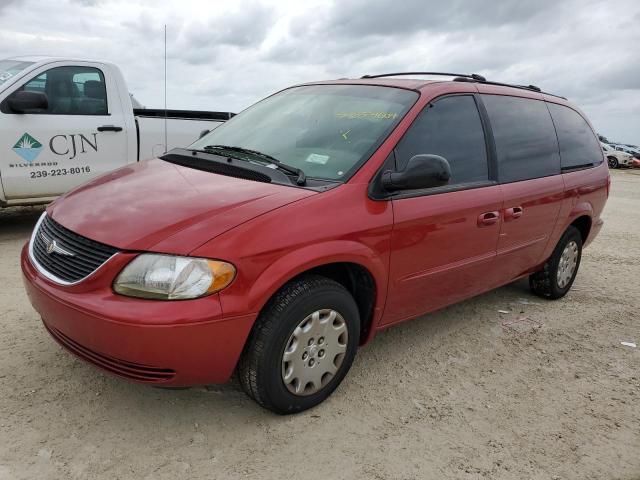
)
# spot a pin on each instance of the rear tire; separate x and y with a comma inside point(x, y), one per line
point(613, 162)
point(559, 272)
point(302, 345)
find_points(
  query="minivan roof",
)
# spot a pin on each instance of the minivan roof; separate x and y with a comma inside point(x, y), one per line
point(393, 80)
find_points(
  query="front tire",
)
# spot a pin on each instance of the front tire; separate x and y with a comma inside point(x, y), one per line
point(302, 345)
point(559, 272)
point(613, 162)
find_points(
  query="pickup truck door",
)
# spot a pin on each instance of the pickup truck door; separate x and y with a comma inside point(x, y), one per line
point(81, 134)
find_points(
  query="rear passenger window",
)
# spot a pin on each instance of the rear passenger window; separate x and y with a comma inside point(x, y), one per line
point(579, 147)
point(526, 143)
point(449, 127)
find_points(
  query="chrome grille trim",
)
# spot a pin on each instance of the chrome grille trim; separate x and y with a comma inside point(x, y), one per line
point(52, 276)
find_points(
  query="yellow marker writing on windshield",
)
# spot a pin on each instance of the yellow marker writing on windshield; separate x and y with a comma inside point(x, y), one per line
point(375, 115)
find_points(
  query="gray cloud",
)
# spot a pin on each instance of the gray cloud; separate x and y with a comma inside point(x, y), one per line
point(7, 3)
point(246, 27)
point(87, 3)
point(227, 54)
point(363, 17)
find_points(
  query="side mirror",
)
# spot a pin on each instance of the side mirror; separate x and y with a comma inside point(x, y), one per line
point(422, 171)
point(27, 102)
point(203, 133)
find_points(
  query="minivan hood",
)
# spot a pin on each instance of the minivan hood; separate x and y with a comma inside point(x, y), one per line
point(162, 207)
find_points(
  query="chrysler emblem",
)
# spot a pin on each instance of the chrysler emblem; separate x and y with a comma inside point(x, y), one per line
point(52, 246)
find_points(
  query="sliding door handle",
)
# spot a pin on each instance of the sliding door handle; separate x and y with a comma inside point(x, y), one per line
point(513, 213)
point(489, 218)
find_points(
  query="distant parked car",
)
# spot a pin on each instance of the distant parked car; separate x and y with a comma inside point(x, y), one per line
point(616, 157)
point(634, 151)
point(631, 149)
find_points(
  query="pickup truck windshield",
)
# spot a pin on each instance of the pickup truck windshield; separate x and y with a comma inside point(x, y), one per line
point(8, 68)
point(327, 131)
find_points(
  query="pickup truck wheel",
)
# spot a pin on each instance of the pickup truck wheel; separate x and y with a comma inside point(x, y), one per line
point(559, 272)
point(301, 346)
point(613, 162)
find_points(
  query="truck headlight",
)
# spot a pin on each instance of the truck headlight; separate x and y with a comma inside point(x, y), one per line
point(168, 277)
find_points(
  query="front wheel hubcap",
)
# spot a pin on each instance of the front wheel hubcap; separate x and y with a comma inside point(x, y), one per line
point(567, 264)
point(314, 352)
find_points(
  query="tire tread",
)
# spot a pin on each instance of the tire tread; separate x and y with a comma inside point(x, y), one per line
point(542, 283)
point(256, 346)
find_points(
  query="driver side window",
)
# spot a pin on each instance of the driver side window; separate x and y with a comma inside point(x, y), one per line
point(449, 127)
point(72, 90)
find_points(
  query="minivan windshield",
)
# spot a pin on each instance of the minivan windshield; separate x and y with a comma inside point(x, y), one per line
point(9, 68)
point(327, 131)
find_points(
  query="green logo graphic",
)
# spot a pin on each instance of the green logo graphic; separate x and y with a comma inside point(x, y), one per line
point(28, 148)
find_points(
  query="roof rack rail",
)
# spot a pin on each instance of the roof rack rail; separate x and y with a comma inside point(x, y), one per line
point(461, 77)
point(531, 88)
point(473, 76)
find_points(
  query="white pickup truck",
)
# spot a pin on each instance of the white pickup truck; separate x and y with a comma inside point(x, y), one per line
point(65, 121)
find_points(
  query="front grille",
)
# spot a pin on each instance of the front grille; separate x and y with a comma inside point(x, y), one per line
point(122, 368)
point(64, 255)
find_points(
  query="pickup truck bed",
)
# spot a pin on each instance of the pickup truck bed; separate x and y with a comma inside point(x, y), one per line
point(181, 124)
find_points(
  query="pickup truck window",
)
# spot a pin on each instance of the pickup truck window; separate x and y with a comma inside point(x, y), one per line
point(9, 68)
point(327, 131)
point(72, 90)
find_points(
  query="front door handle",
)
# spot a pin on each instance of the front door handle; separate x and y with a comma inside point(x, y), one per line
point(488, 218)
point(109, 128)
point(513, 213)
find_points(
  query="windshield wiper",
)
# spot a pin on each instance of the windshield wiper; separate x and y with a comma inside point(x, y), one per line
point(301, 180)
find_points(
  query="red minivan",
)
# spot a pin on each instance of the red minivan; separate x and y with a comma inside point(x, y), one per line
point(281, 241)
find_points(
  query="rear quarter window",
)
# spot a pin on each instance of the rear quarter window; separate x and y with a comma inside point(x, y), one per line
point(525, 138)
point(579, 146)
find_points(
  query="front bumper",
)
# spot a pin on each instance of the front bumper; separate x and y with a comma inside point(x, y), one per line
point(173, 343)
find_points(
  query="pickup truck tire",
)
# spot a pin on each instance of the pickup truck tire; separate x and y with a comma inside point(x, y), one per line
point(613, 162)
point(304, 341)
point(559, 272)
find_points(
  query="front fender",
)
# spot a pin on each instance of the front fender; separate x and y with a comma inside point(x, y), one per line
point(288, 266)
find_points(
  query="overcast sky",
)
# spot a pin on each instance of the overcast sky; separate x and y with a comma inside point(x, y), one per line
point(225, 55)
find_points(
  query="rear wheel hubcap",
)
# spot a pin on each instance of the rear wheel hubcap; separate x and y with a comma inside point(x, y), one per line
point(314, 352)
point(567, 264)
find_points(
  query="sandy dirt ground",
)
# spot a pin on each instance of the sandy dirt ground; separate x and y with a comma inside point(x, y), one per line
point(456, 394)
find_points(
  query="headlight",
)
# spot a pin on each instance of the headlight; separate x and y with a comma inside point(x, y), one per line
point(167, 277)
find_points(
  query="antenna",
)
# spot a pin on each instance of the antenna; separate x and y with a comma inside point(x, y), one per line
point(166, 145)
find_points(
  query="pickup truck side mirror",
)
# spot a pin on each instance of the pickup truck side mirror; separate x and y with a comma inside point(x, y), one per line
point(203, 133)
point(28, 102)
point(422, 171)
